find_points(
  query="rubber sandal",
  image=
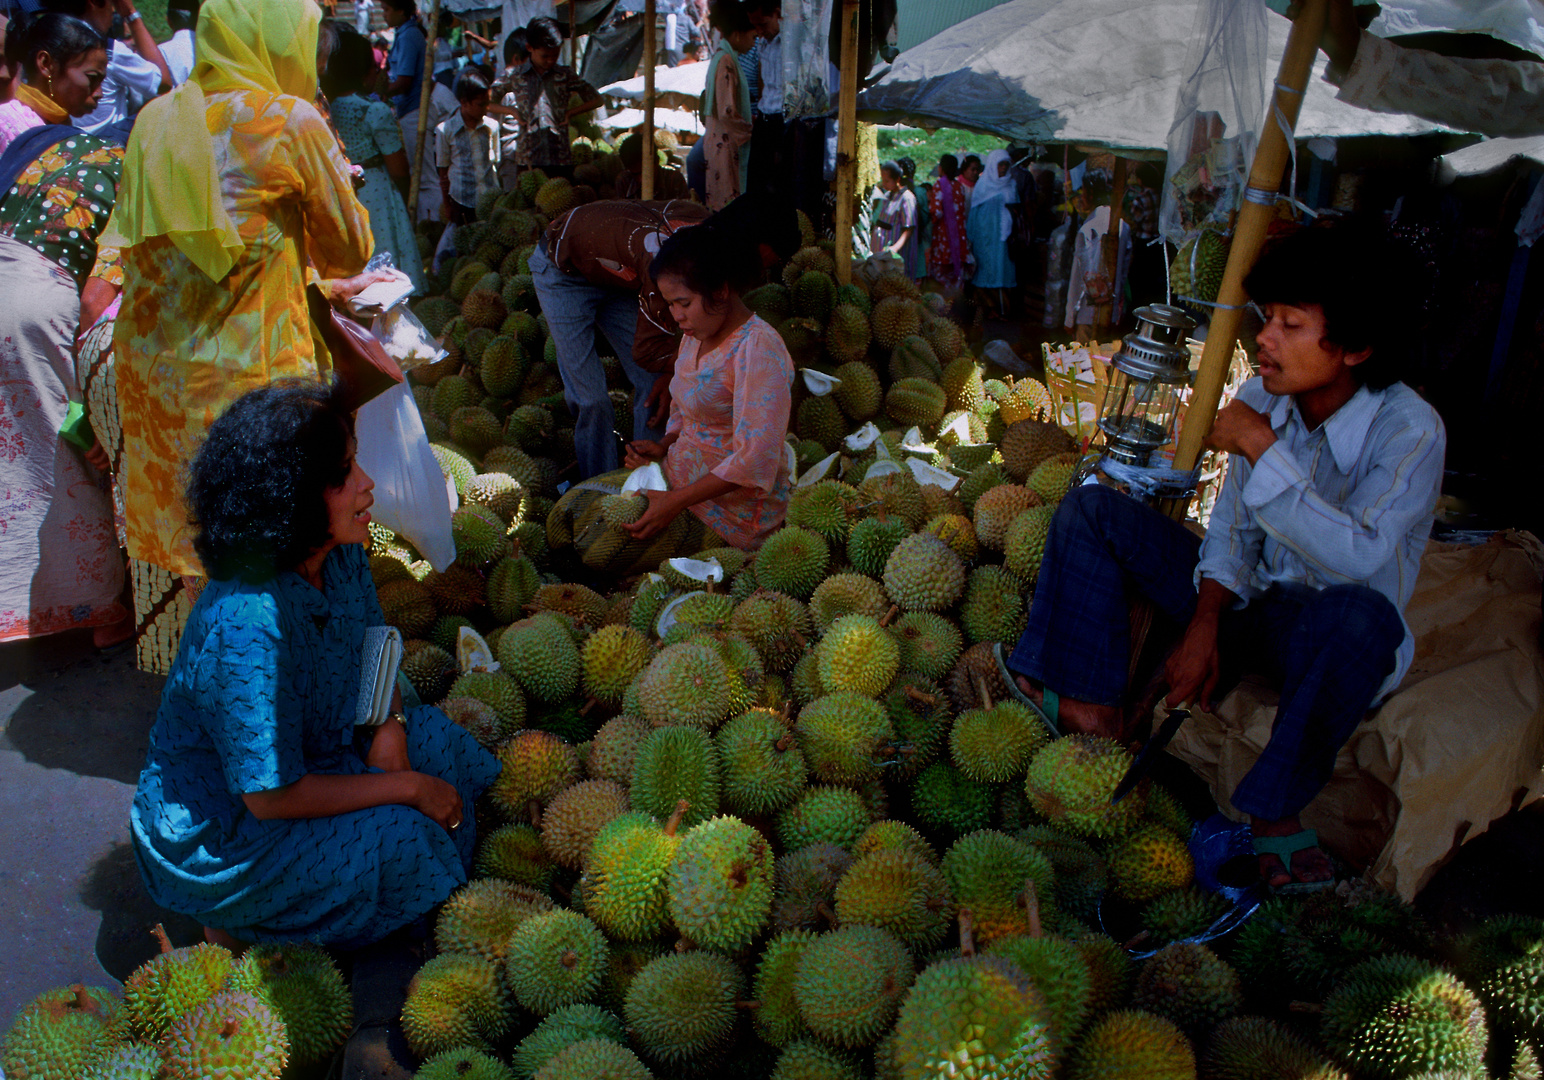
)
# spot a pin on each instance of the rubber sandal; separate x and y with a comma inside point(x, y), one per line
point(1284, 847)
point(1047, 708)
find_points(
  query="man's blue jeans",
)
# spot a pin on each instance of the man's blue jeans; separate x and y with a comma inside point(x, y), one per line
point(575, 308)
point(1327, 650)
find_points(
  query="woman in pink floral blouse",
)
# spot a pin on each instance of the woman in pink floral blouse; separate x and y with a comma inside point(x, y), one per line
point(723, 450)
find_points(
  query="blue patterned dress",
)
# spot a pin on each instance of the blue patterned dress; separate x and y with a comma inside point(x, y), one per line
point(263, 692)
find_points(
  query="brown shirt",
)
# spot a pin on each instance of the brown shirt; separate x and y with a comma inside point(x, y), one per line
point(612, 243)
point(541, 101)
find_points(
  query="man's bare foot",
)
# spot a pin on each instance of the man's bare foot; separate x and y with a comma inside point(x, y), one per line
point(1074, 715)
point(1308, 865)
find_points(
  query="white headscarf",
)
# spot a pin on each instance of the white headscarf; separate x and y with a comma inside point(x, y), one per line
point(991, 187)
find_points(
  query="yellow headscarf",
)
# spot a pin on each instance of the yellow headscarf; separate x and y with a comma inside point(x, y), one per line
point(171, 179)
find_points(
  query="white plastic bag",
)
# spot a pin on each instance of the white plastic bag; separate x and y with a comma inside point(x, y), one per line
point(410, 495)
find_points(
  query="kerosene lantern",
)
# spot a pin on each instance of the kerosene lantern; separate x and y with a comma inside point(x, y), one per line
point(1143, 408)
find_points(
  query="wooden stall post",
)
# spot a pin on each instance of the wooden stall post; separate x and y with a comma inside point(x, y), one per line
point(847, 141)
point(649, 153)
point(1270, 163)
point(424, 95)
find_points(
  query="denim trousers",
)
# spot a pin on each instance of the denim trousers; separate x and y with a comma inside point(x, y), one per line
point(575, 308)
point(1326, 650)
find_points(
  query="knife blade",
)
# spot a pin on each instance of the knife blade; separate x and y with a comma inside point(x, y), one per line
point(1149, 753)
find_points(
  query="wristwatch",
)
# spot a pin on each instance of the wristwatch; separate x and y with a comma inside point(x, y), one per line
point(400, 718)
point(132, 17)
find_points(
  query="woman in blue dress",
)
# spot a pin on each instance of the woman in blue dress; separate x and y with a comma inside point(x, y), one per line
point(988, 226)
point(262, 810)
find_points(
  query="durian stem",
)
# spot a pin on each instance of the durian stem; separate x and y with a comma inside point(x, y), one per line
point(569, 958)
point(747, 1004)
point(1032, 910)
point(967, 934)
point(533, 808)
point(684, 944)
point(917, 695)
point(1310, 1007)
point(83, 1000)
point(782, 745)
point(986, 695)
point(589, 703)
point(159, 933)
point(675, 818)
point(894, 610)
point(800, 638)
point(824, 911)
point(229, 1029)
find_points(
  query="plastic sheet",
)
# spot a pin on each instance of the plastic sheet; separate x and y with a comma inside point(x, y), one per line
point(806, 58)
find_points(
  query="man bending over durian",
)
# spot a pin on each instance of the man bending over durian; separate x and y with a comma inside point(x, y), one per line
point(1308, 562)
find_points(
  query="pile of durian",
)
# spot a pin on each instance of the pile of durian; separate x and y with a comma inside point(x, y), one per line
point(194, 1013)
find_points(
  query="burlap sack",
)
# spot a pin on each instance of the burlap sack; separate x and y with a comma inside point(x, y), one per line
point(1458, 744)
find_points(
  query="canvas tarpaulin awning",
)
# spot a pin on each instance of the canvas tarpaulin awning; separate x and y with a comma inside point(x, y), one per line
point(674, 87)
point(1096, 72)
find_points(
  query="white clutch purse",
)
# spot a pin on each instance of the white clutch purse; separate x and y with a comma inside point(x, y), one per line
point(378, 675)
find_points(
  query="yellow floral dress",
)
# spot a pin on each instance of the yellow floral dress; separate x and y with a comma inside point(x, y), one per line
point(188, 345)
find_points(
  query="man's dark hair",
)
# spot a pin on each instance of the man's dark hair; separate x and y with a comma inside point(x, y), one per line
point(63, 37)
point(1096, 185)
point(515, 46)
point(543, 33)
point(471, 85)
point(66, 7)
point(949, 166)
point(257, 488)
point(407, 7)
point(729, 17)
point(1351, 272)
point(631, 152)
point(350, 67)
point(970, 159)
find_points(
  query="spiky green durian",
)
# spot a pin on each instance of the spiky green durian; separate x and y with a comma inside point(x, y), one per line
point(560, 1029)
point(614, 749)
point(827, 508)
point(773, 302)
point(514, 853)
point(1148, 863)
point(512, 583)
point(915, 402)
point(913, 358)
point(612, 658)
point(1053, 477)
point(961, 377)
point(686, 683)
point(820, 420)
point(575, 815)
point(594, 1059)
point(496, 690)
point(977, 1016)
point(988, 873)
point(479, 718)
point(845, 737)
point(763, 768)
point(896, 493)
point(626, 886)
point(480, 917)
point(579, 602)
point(945, 798)
point(872, 541)
point(681, 1007)
point(172, 985)
point(231, 1034)
point(465, 1064)
point(408, 606)
point(899, 891)
point(429, 668)
point(1182, 913)
point(981, 479)
point(455, 1001)
point(929, 643)
point(1070, 783)
point(721, 884)
point(992, 609)
point(1131, 1044)
point(850, 983)
point(995, 745)
point(1026, 443)
point(996, 509)
point(924, 574)
point(777, 625)
point(555, 959)
point(893, 835)
point(805, 894)
point(674, 763)
point(1394, 1016)
point(1024, 542)
point(848, 336)
point(919, 713)
point(1254, 1048)
point(1060, 973)
point(62, 1034)
point(536, 766)
point(540, 654)
point(305, 990)
point(895, 318)
point(1188, 984)
point(856, 655)
point(778, 1020)
point(861, 396)
point(835, 815)
point(792, 561)
point(814, 295)
point(1502, 960)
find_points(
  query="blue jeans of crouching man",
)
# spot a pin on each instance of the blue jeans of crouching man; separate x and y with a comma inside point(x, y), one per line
point(575, 309)
point(1327, 650)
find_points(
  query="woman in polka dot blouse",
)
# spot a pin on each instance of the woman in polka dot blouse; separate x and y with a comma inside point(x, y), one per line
point(63, 569)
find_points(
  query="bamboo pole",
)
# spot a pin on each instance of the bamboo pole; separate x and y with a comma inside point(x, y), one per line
point(1109, 256)
point(425, 93)
point(650, 158)
point(847, 142)
point(1270, 163)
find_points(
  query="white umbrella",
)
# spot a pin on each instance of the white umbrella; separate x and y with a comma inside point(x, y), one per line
point(1099, 72)
point(1491, 154)
point(677, 87)
point(668, 119)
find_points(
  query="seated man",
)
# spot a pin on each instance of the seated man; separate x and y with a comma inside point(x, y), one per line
point(1309, 560)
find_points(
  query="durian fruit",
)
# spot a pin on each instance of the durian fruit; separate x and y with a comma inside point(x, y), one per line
point(1004, 882)
point(996, 744)
point(777, 1016)
point(915, 402)
point(808, 257)
point(1070, 783)
point(1109, 970)
point(1060, 973)
point(1131, 1044)
point(681, 1007)
point(961, 378)
point(460, 590)
point(171, 985)
point(992, 609)
point(687, 683)
point(848, 335)
point(454, 1002)
point(1148, 863)
point(850, 983)
point(763, 768)
point(924, 574)
point(540, 654)
point(1189, 985)
point(536, 766)
point(1254, 1048)
point(477, 429)
point(62, 1034)
point(574, 817)
point(721, 884)
point(614, 749)
point(856, 655)
point(1502, 961)
point(1182, 913)
point(580, 602)
point(899, 891)
point(555, 197)
point(554, 959)
point(612, 658)
point(895, 283)
point(305, 990)
point(974, 673)
point(1165, 810)
point(826, 508)
point(805, 893)
point(675, 763)
point(511, 584)
point(465, 1064)
point(514, 853)
point(861, 396)
point(846, 735)
point(594, 1059)
point(1027, 443)
point(872, 541)
point(1024, 542)
point(626, 882)
point(929, 643)
point(801, 336)
point(1052, 478)
point(496, 690)
point(479, 918)
point(777, 626)
point(408, 606)
point(814, 295)
point(896, 493)
point(1028, 399)
point(974, 1016)
point(834, 815)
point(429, 668)
point(920, 716)
point(772, 302)
point(894, 319)
point(913, 358)
point(959, 532)
point(846, 594)
point(231, 1034)
point(806, 1059)
point(479, 719)
point(792, 561)
point(995, 510)
point(946, 799)
point(1395, 1015)
point(560, 1030)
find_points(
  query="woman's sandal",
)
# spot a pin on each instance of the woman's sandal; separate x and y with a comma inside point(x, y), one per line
point(1046, 708)
point(1284, 847)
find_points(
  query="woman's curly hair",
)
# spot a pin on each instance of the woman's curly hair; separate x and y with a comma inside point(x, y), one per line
point(257, 487)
